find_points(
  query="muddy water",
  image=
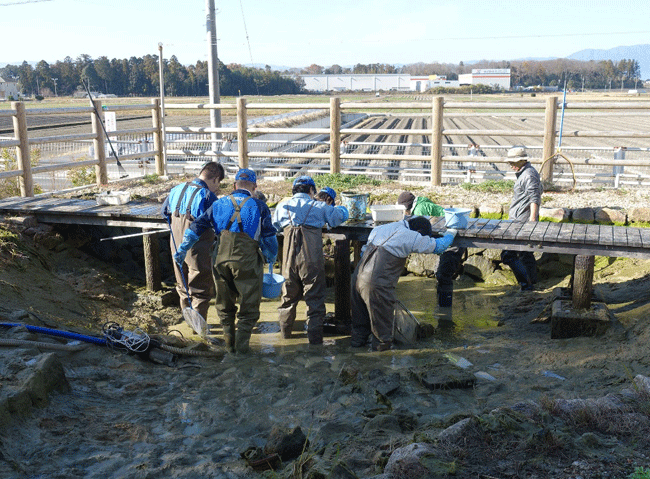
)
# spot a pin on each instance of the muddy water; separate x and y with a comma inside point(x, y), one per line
point(125, 417)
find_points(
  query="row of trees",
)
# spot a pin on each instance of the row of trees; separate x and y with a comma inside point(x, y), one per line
point(139, 76)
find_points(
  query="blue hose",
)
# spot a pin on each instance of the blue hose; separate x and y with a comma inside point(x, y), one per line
point(56, 332)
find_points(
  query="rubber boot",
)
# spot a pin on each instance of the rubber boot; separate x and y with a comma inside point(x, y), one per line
point(242, 340)
point(521, 274)
point(315, 337)
point(286, 332)
point(229, 337)
point(445, 299)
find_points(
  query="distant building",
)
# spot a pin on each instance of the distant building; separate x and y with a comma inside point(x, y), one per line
point(357, 82)
point(8, 89)
point(494, 77)
point(375, 82)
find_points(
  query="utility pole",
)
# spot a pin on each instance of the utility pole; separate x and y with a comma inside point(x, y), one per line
point(213, 70)
point(55, 80)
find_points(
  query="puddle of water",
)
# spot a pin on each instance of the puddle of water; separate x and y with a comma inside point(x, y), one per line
point(474, 309)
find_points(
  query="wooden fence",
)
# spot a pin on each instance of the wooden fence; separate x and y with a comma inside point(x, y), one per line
point(436, 110)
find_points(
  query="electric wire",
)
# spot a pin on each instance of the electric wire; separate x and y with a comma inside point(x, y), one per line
point(250, 52)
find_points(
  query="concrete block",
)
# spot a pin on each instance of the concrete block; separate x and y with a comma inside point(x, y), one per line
point(567, 322)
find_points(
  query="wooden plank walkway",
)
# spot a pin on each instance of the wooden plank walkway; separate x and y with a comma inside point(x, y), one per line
point(134, 214)
point(566, 238)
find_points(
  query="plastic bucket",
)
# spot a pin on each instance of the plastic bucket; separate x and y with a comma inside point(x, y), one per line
point(272, 285)
point(462, 215)
point(356, 203)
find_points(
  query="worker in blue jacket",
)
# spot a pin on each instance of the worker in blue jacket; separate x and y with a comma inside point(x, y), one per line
point(301, 219)
point(246, 238)
point(184, 204)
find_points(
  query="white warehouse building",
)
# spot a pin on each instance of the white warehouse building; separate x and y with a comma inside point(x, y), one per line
point(495, 77)
point(360, 82)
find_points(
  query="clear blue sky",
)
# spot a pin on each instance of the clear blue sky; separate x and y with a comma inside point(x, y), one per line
point(297, 33)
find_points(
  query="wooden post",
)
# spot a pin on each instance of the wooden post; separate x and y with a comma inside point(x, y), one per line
point(436, 141)
point(582, 281)
point(152, 261)
point(342, 279)
point(99, 143)
point(242, 134)
point(158, 143)
point(549, 138)
point(335, 135)
point(23, 157)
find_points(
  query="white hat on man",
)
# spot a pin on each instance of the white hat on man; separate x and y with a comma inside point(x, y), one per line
point(516, 154)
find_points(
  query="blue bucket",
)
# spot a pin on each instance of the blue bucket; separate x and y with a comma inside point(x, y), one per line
point(272, 285)
point(461, 213)
point(356, 203)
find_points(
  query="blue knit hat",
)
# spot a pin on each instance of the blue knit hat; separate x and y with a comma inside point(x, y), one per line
point(329, 191)
point(246, 175)
point(304, 180)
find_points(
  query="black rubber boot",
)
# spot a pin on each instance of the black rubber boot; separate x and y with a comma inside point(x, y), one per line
point(242, 340)
point(445, 299)
point(229, 337)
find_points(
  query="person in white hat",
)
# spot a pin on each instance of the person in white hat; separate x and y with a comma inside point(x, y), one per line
point(524, 207)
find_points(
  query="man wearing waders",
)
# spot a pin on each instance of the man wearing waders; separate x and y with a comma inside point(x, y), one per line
point(185, 203)
point(246, 238)
point(375, 277)
point(301, 219)
point(524, 207)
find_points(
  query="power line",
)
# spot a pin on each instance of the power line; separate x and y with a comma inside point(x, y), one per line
point(23, 2)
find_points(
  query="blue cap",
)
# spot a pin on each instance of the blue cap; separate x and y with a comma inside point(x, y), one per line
point(304, 180)
point(246, 175)
point(329, 191)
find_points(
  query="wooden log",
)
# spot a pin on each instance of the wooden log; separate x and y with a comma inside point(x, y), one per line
point(342, 281)
point(152, 260)
point(582, 281)
point(158, 140)
point(436, 140)
point(23, 158)
point(242, 133)
point(101, 171)
point(335, 135)
point(549, 138)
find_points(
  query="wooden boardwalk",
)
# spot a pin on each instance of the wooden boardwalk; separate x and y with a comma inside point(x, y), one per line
point(134, 214)
point(566, 238)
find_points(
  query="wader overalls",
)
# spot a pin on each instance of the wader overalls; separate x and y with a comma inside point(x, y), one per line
point(303, 268)
point(238, 275)
point(373, 296)
point(196, 267)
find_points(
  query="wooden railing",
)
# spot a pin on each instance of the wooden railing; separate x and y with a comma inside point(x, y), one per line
point(436, 110)
point(23, 143)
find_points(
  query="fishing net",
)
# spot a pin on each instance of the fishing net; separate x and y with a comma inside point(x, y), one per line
point(405, 325)
point(195, 321)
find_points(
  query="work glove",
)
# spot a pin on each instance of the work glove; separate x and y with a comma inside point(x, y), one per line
point(189, 239)
point(345, 211)
point(443, 243)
